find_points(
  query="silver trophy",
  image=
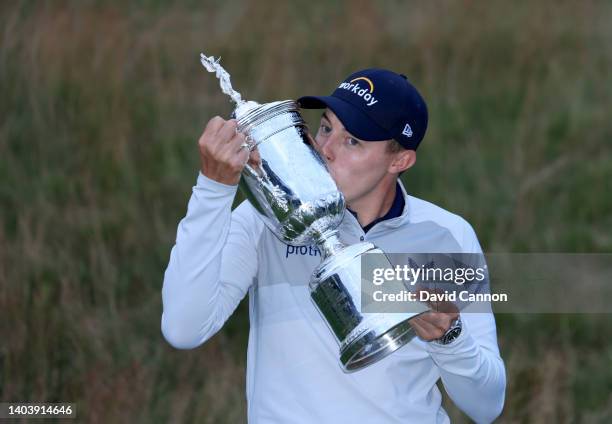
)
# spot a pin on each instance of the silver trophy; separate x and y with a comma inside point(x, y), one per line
point(289, 184)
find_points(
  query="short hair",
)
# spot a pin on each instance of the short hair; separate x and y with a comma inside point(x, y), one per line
point(393, 146)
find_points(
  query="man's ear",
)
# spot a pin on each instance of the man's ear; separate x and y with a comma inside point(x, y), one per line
point(403, 160)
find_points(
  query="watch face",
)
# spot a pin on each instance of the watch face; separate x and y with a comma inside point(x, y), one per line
point(453, 332)
point(452, 335)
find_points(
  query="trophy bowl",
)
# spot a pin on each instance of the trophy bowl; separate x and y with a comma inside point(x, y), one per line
point(288, 182)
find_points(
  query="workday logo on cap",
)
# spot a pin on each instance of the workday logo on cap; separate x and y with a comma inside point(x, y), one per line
point(366, 92)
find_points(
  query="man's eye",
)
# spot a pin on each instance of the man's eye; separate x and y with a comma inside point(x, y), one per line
point(352, 142)
point(325, 129)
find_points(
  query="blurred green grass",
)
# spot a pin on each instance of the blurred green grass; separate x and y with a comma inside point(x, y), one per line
point(101, 107)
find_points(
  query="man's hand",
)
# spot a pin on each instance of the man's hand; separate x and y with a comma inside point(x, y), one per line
point(432, 325)
point(222, 153)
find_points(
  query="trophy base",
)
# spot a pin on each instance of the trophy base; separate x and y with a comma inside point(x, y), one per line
point(364, 338)
point(375, 345)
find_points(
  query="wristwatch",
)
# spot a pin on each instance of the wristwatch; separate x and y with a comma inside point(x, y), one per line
point(451, 334)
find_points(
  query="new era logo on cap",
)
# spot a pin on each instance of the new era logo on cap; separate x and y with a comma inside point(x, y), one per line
point(407, 131)
point(377, 105)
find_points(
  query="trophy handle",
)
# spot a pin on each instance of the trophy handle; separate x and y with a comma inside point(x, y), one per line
point(251, 172)
point(253, 165)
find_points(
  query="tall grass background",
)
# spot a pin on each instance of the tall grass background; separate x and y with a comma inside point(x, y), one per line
point(101, 106)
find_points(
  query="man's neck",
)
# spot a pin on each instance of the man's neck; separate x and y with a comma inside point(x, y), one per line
point(374, 206)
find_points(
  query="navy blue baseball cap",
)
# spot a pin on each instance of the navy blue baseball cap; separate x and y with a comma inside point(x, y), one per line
point(376, 105)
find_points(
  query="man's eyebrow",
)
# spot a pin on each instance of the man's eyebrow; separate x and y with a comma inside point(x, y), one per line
point(324, 115)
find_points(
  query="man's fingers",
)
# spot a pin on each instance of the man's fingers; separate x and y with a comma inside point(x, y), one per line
point(243, 155)
point(425, 330)
point(221, 157)
point(213, 126)
point(439, 319)
point(232, 154)
point(234, 145)
point(211, 140)
point(443, 307)
point(227, 132)
point(255, 158)
point(436, 305)
point(431, 324)
point(417, 327)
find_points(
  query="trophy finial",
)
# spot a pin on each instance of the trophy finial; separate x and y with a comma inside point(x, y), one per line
point(212, 65)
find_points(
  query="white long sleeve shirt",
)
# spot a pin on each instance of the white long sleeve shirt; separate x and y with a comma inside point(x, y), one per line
point(293, 371)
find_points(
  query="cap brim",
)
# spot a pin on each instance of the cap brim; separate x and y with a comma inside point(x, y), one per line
point(354, 120)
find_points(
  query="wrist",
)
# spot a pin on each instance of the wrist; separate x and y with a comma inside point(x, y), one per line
point(205, 182)
point(221, 178)
point(452, 334)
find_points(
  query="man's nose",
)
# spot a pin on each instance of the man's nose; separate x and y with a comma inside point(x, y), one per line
point(328, 148)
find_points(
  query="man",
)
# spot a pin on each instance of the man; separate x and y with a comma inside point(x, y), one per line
point(369, 132)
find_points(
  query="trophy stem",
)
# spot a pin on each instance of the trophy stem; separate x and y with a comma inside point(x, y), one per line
point(329, 243)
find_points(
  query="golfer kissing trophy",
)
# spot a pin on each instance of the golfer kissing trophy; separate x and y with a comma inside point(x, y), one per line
point(289, 185)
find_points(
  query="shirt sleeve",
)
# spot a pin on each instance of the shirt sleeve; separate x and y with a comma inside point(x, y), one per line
point(212, 264)
point(471, 367)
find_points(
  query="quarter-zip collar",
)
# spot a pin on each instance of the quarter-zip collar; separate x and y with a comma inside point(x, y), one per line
point(390, 220)
point(396, 209)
